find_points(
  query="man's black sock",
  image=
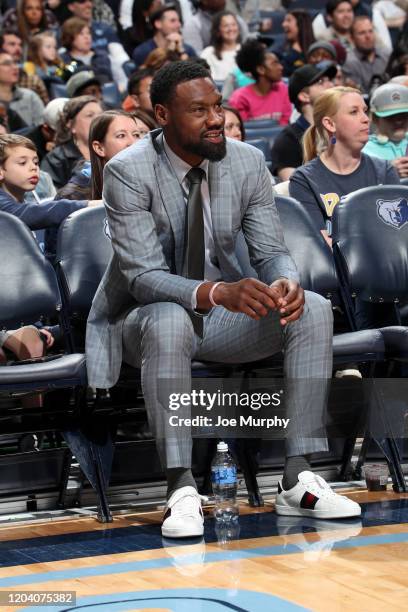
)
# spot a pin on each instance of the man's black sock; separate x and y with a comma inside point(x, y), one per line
point(293, 467)
point(177, 478)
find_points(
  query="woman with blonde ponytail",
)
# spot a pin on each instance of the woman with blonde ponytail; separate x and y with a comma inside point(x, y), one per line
point(334, 165)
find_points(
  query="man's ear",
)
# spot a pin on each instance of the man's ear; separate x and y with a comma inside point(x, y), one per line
point(162, 114)
point(304, 97)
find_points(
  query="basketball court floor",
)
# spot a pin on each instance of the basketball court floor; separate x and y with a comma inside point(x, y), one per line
point(266, 563)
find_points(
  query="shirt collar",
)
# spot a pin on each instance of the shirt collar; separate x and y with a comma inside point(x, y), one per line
point(180, 167)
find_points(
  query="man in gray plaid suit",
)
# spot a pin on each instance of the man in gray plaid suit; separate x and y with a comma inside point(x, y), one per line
point(147, 313)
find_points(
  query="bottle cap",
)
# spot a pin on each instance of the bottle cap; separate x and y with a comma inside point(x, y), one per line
point(222, 447)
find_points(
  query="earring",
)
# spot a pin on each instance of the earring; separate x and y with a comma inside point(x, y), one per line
point(333, 139)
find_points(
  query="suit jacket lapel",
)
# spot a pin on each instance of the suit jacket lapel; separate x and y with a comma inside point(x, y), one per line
point(172, 198)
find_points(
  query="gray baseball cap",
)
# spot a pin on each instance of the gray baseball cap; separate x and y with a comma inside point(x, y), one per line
point(389, 99)
point(80, 80)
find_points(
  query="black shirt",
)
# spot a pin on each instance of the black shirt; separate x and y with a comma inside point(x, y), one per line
point(287, 148)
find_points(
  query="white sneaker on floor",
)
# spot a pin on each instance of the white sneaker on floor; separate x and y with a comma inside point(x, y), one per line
point(183, 515)
point(313, 497)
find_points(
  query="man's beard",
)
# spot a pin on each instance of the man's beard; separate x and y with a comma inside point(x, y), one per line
point(209, 150)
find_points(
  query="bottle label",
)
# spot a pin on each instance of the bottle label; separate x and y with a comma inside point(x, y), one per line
point(224, 475)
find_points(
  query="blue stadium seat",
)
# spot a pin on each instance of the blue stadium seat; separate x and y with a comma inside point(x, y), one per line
point(262, 145)
point(370, 237)
point(277, 20)
point(30, 292)
point(260, 123)
point(58, 90)
point(111, 95)
point(129, 67)
point(268, 133)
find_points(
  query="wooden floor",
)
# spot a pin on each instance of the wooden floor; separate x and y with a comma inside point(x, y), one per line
point(268, 563)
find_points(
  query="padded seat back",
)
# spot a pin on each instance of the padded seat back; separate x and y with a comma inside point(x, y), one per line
point(311, 253)
point(268, 133)
point(370, 234)
point(262, 145)
point(308, 248)
point(83, 253)
point(28, 285)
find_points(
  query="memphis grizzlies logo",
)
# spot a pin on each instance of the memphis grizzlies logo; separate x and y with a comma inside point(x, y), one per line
point(106, 229)
point(393, 212)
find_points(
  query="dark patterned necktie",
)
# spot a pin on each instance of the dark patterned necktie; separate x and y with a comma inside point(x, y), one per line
point(195, 249)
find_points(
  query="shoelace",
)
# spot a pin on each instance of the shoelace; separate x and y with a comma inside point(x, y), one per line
point(190, 506)
point(324, 490)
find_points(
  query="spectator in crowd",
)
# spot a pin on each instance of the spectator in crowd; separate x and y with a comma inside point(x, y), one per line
point(43, 135)
point(71, 138)
point(166, 35)
point(23, 101)
point(84, 83)
point(134, 21)
point(11, 43)
point(19, 174)
point(321, 51)
point(389, 111)
point(104, 39)
point(28, 18)
point(365, 61)
point(398, 62)
point(340, 15)
point(197, 31)
point(268, 97)
point(139, 91)
point(334, 163)
point(77, 39)
point(298, 30)
point(233, 126)
point(42, 58)
point(110, 132)
point(225, 42)
point(305, 85)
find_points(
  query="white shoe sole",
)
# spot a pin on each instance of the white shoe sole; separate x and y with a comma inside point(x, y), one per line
point(182, 533)
point(319, 514)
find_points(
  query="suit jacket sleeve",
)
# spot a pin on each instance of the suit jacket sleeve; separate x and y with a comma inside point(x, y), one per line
point(135, 241)
point(263, 232)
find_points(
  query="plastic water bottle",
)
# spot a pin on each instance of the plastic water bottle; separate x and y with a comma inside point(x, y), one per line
point(224, 485)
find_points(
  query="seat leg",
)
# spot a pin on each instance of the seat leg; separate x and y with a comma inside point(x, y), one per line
point(104, 513)
point(245, 450)
point(390, 451)
point(357, 472)
point(66, 467)
point(346, 471)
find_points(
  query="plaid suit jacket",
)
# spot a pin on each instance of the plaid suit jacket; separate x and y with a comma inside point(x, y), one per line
point(146, 212)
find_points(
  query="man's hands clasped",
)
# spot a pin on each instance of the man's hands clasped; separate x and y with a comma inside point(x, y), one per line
point(255, 299)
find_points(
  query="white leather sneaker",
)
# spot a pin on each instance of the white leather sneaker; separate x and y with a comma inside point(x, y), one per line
point(183, 515)
point(312, 496)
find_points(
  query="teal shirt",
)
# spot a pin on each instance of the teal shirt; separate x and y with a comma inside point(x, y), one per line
point(387, 150)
